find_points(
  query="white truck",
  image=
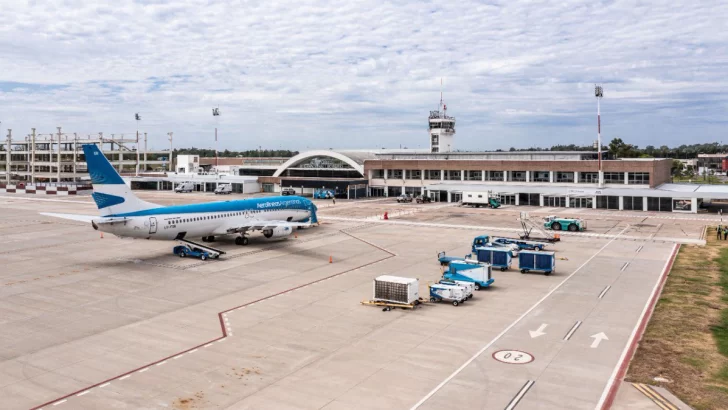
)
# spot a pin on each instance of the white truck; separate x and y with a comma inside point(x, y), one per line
point(224, 189)
point(480, 198)
point(185, 187)
point(449, 293)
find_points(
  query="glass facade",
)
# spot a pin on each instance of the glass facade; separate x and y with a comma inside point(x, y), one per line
point(632, 203)
point(495, 176)
point(567, 177)
point(453, 175)
point(540, 176)
point(517, 176)
point(432, 174)
point(589, 177)
point(474, 175)
point(642, 178)
point(413, 174)
point(614, 177)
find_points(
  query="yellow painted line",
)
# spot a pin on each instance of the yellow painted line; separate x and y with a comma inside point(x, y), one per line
point(654, 396)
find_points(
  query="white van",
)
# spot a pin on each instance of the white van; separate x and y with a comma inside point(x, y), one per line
point(185, 187)
point(224, 189)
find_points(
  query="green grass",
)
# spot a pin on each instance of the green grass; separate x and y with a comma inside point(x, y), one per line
point(695, 362)
point(720, 330)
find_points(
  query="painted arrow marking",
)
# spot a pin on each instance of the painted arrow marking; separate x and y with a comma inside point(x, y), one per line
point(598, 339)
point(538, 332)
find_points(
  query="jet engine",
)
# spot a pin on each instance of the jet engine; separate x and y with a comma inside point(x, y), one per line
point(277, 232)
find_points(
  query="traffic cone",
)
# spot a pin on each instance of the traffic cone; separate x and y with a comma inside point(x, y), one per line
point(386, 216)
point(102, 235)
point(331, 260)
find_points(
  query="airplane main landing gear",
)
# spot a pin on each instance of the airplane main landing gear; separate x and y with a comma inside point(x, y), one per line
point(208, 239)
point(241, 240)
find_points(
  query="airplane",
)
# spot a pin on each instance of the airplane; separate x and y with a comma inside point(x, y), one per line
point(125, 215)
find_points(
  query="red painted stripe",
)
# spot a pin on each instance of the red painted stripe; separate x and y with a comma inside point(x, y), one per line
point(222, 324)
point(638, 336)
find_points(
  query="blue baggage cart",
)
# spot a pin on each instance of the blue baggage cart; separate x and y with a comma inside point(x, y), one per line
point(537, 261)
point(497, 257)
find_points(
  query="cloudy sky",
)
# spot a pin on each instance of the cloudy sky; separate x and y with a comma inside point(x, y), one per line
point(364, 74)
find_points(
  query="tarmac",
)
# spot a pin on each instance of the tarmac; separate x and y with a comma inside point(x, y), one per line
point(88, 322)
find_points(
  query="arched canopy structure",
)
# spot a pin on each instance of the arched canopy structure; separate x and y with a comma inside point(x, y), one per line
point(323, 159)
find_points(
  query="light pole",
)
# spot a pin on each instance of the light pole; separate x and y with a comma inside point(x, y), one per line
point(216, 113)
point(599, 93)
point(138, 118)
point(171, 151)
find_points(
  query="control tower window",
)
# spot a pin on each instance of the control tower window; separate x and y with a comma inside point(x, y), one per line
point(434, 139)
point(435, 149)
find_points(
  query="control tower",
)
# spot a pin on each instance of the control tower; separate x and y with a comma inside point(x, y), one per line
point(442, 129)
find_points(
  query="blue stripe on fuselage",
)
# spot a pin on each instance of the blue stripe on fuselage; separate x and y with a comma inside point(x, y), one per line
point(276, 202)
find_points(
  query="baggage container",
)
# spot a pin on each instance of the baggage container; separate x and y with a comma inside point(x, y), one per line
point(396, 289)
point(537, 261)
point(499, 258)
point(470, 271)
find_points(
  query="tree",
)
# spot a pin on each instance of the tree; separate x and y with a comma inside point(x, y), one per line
point(620, 149)
point(677, 167)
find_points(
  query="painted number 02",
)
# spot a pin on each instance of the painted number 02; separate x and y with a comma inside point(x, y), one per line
point(513, 357)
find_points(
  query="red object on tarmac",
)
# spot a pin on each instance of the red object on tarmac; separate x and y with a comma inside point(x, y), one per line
point(386, 216)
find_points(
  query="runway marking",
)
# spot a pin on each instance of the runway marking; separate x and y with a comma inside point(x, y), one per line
point(207, 345)
point(125, 377)
point(610, 389)
point(161, 363)
point(192, 351)
point(178, 356)
point(82, 393)
point(515, 400)
point(143, 370)
point(60, 402)
point(573, 329)
point(624, 267)
point(639, 249)
point(509, 327)
point(604, 292)
point(105, 384)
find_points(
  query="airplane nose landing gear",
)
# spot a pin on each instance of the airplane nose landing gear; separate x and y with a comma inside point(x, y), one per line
point(241, 240)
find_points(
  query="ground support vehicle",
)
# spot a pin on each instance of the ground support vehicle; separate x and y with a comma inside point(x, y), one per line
point(445, 260)
point(387, 306)
point(323, 194)
point(478, 199)
point(422, 199)
point(453, 294)
point(469, 286)
point(537, 261)
point(184, 250)
point(184, 187)
point(289, 191)
point(556, 223)
point(470, 271)
point(499, 258)
point(484, 240)
point(404, 198)
point(224, 189)
point(529, 225)
point(523, 245)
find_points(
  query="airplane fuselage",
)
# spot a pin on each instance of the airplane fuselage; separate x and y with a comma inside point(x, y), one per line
point(206, 219)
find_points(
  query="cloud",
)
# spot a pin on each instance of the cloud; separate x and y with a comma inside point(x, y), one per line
point(300, 74)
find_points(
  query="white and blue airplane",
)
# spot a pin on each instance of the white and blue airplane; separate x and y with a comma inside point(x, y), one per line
point(125, 215)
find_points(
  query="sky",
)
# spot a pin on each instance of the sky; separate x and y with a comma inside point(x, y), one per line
point(365, 74)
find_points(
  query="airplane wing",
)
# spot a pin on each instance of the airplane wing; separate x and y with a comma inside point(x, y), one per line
point(234, 228)
point(73, 217)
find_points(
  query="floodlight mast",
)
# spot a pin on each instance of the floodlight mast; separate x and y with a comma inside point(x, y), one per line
point(138, 118)
point(216, 113)
point(599, 93)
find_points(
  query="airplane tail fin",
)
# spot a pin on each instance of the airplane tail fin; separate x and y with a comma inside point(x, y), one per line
point(111, 194)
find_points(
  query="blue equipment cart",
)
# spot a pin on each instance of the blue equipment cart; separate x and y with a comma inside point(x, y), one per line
point(537, 261)
point(497, 257)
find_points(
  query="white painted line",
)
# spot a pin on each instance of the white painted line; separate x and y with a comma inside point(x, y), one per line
point(573, 329)
point(60, 402)
point(192, 351)
point(125, 377)
point(178, 356)
point(82, 393)
point(624, 267)
point(143, 370)
point(604, 292)
point(207, 345)
point(161, 363)
point(640, 248)
point(105, 384)
point(605, 392)
point(509, 327)
point(514, 401)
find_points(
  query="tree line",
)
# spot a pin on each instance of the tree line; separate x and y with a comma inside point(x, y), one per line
point(253, 153)
point(620, 149)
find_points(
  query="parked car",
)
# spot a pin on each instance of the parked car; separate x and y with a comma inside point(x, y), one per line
point(288, 191)
point(404, 198)
point(185, 187)
point(184, 251)
point(421, 199)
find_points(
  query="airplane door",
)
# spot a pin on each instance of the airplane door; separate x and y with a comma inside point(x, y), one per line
point(152, 225)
